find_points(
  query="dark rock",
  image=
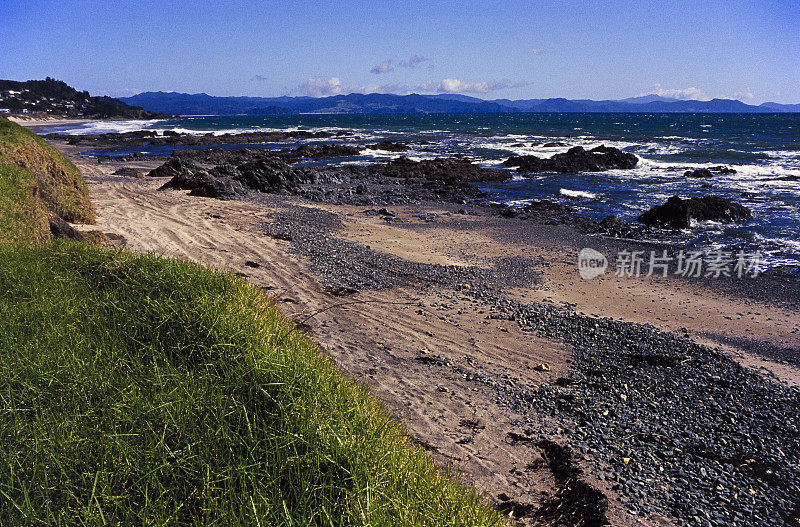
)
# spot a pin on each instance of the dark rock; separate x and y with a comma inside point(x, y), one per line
point(700, 172)
point(217, 183)
point(390, 146)
point(442, 169)
point(61, 229)
point(327, 150)
point(787, 178)
point(546, 207)
point(203, 183)
point(677, 213)
point(576, 159)
point(144, 137)
point(617, 228)
point(174, 167)
point(723, 170)
point(553, 145)
point(533, 210)
point(270, 175)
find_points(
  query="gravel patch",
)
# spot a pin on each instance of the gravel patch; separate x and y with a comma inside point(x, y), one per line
point(675, 428)
point(346, 267)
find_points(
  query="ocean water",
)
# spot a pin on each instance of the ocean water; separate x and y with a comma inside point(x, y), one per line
point(764, 149)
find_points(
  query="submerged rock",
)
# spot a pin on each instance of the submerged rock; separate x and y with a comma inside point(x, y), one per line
point(709, 172)
point(576, 159)
point(678, 213)
point(389, 146)
point(699, 173)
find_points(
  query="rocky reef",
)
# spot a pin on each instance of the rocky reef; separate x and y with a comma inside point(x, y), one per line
point(576, 159)
point(677, 213)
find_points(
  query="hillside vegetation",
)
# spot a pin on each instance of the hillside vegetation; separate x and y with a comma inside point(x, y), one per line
point(57, 98)
point(141, 390)
point(36, 181)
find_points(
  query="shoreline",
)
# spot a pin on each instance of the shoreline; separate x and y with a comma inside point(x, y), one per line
point(606, 196)
point(38, 122)
point(424, 322)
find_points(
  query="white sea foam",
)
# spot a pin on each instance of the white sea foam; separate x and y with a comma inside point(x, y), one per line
point(577, 194)
point(105, 127)
point(519, 202)
point(660, 149)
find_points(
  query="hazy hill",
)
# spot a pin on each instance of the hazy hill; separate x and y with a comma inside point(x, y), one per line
point(204, 104)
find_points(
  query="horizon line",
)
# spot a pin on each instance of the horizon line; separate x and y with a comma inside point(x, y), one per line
point(622, 100)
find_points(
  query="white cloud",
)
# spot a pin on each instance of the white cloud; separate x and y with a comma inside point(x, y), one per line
point(379, 88)
point(319, 87)
point(450, 85)
point(535, 51)
point(322, 87)
point(696, 94)
point(685, 94)
point(383, 67)
point(413, 61)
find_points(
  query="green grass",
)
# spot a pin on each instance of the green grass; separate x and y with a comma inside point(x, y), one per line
point(22, 215)
point(137, 390)
point(59, 184)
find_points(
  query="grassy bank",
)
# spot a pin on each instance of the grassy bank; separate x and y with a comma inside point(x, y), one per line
point(52, 184)
point(139, 390)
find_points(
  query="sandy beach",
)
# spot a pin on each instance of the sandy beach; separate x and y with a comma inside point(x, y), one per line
point(444, 324)
point(36, 121)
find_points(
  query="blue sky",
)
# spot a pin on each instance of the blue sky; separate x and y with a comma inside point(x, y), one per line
point(575, 49)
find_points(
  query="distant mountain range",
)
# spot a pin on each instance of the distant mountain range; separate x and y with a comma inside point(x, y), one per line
point(203, 104)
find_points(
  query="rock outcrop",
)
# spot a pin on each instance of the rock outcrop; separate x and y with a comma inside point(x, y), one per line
point(446, 170)
point(271, 175)
point(174, 167)
point(698, 173)
point(399, 181)
point(61, 229)
point(389, 146)
point(576, 159)
point(678, 213)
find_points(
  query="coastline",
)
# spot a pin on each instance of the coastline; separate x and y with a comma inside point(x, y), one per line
point(395, 337)
point(37, 122)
